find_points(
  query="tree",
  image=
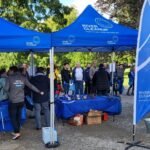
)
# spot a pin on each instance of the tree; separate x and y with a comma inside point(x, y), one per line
point(126, 12)
point(32, 14)
point(56, 26)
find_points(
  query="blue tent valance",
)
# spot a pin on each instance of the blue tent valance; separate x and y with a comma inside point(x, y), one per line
point(17, 39)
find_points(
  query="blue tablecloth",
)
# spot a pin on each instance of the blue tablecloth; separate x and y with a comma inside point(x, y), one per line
point(68, 108)
point(5, 122)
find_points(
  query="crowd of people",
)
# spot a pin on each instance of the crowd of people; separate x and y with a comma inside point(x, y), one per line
point(16, 85)
point(96, 80)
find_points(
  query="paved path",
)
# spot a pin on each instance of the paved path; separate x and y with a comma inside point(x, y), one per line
point(101, 137)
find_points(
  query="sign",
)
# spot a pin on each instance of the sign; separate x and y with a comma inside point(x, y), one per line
point(112, 67)
point(142, 69)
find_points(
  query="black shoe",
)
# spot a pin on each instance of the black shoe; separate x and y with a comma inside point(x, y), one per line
point(38, 128)
point(31, 117)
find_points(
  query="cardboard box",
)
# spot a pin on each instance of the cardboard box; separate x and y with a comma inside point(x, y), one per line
point(94, 117)
point(76, 120)
point(94, 113)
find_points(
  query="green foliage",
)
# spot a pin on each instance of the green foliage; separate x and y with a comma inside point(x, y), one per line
point(125, 57)
point(126, 12)
point(56, 26)
point(41, 59)
point(34, 14)
point(73, 58)
point(51, 15)
point(9, 59)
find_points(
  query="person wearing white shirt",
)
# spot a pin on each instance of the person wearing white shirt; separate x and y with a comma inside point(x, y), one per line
point(78, 78)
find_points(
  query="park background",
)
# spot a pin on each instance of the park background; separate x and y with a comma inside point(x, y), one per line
point(52, 15)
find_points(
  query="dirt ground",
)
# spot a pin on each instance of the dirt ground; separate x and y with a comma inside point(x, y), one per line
point(99, 137)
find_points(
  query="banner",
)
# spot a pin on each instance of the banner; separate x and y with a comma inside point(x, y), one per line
point(142, 69)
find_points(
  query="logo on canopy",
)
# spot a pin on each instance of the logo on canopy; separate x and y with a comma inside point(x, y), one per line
point(35, 41)
point(99, 25)
point(70, 40)
point(103, 23)
point(114, 40)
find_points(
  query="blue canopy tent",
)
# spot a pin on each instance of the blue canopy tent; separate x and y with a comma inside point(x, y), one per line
point(17, 39)
point(93, 32)
point(90, 32)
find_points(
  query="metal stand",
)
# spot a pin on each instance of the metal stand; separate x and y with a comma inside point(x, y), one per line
point(134, 143)
point(52, 143)
point(112, 75)
point(113, 118)
point(32, 63)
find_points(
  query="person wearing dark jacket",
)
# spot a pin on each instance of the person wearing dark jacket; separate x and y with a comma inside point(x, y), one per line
point(15, 84)
point(42, 82)
point(66, 77)
point(87, 80)
point(101, 81)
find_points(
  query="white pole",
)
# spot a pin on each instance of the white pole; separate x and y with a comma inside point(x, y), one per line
point(53, 86)
point(52, 93)
point(32, 62)
point(112, 75)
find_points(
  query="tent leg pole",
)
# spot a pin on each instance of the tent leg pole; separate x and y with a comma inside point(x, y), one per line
point(32, 63)
point(52, 143)
point(112, 75)
point(52, 55)
point(133, 133)
point(51, 94)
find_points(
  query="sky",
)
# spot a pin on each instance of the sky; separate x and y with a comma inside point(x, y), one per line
point(79, 4)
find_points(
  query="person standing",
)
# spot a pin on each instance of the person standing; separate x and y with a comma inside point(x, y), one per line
point(15, 84)
point(120, 75)
point(41, 102)
point(87, 80)
point(101, 81)
point(66, 77)
point(3, 78)
point(56, 78)
point(131, 76)
point(78, 78)
point(92, 71)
